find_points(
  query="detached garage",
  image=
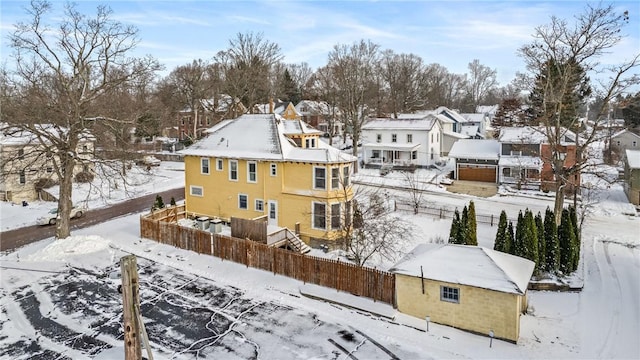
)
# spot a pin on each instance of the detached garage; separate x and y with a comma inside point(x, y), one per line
point(476, 159)
point(467, 287)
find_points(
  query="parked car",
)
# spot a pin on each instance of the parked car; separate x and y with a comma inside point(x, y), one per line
point(52, 216)
point(149, 160)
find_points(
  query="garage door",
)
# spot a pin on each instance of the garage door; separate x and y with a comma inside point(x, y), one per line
point(485, 173)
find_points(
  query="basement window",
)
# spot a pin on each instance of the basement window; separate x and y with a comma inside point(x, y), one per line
point(450, 294)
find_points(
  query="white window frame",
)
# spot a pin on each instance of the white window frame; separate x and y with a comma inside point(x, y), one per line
point(394, 138)
point(273, 169)
point(246, 202)
point(450, 294)
point(315, 180)
point(258, 207)
point(22, 177)
point(335, 178)
point(333, 225)
point(233, 163)
point(254, 173)
point(195, 187)
point(346, 175)
point(409, 138)
point(313, 215)
point(378, 138)
point(203, 167)
point(219, 164)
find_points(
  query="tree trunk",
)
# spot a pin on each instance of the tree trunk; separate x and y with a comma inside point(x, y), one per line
point(64, 201)
point(559, 201)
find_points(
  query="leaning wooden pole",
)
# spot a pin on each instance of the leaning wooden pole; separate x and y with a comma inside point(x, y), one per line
point(132, 347)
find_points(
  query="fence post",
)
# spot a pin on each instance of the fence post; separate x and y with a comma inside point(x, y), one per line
point(491, 219)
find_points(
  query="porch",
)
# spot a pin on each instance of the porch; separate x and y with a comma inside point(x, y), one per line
point(378, 154)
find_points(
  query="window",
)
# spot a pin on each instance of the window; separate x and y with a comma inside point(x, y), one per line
point(431, 137)
point(204, 166)
point(219, 164)
point(274, 169)
point(252, 175)
point(347, 213)
point(634, 143)
point(409, 138)
point(394, 137)
point(182, 121)
point(319, 216)
point(414, 155)
point(310, 143)
point(233, 170)
point(618, 143)
point(375, 154)
point(243, 201)
point(335, 216)
point(506, 172)
point(259, 205)
point(196, 190)
point(208, 120)
point(49, 169)
point(378, 137)
point(319, 178)
point(335, 178)
point(23, 177)
point(449, 294)
point(345, 175)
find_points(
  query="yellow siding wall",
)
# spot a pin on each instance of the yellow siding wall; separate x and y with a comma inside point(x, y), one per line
point(292, 188)
point(479, 310)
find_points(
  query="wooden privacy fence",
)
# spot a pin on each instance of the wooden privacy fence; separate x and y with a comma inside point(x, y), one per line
point(361, 281)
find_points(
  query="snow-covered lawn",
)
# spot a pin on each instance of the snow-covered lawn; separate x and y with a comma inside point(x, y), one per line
point(256, 314)
point(169, 175)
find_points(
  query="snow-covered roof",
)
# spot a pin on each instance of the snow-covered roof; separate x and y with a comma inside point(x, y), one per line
point(487, 109)
point(470, 130)
point(471, 117)
point(14, 135)
point(527, 162)
point(633, 158)
point(451, 114)
point(621, 132)
point(261, 137)
point(532, 135)
point(410, 122)
point(455, 134)
point(315, 108)
point(485, 149)
point(298, 127)
point(468, 265)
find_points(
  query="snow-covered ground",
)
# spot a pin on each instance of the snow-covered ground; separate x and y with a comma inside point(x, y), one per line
point(60, 298)
point(169, 175)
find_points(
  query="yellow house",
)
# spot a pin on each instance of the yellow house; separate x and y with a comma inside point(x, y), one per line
point(467, 287)
point(264, 165)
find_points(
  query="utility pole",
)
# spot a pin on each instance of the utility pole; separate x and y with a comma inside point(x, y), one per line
point(130, 301)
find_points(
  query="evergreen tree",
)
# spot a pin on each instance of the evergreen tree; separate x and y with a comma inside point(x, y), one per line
point(464, 226)
point(509, 240)
point(455, 227)
point(159, 203)
point(472, 226)
point(576, 239)
point(518, 249)
point(173, 201)
point(566, 240)
point(530, 238)
point(541, 243)
point(552, 247)
point(501, 234)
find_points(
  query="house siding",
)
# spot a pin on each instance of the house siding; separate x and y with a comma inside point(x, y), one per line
point(292, 188)
point(479, 310)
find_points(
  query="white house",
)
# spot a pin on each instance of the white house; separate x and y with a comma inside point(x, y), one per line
point(625, 139)
point(409, 140)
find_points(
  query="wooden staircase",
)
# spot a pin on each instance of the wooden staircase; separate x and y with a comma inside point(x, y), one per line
point(294, 242)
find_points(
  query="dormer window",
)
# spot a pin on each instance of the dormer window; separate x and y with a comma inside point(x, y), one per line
point(310, 143)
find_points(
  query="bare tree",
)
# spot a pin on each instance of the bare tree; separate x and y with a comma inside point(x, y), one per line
point(561, 57)
point(352, 69)
point(402, 75)
point(61, 73)
point(416, 186)
point(444, 88)
point(247, 68)
point(481, 81)
point(374, 229)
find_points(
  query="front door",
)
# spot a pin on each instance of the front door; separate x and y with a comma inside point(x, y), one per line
point(273, 212)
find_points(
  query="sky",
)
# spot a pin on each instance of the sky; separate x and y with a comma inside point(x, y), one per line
point(451, 33)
